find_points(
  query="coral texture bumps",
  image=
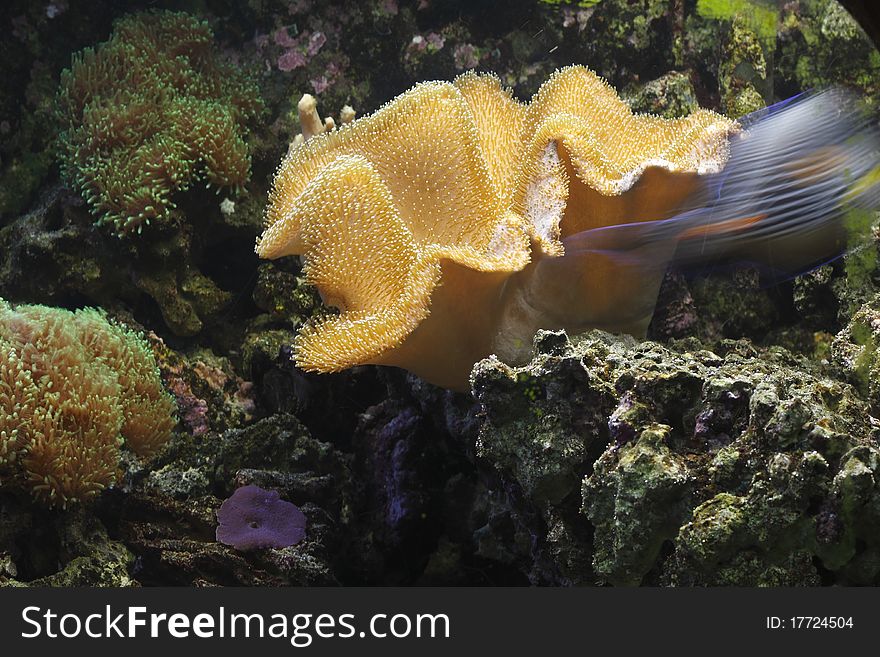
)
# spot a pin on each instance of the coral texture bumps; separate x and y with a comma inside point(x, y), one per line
point(74, 387)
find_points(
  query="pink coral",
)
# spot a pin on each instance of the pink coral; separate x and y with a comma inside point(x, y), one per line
point(320, 84)
point(299, 50)
point(290, 60)
point(466, 56)
point(282, 38)
point(194, 411)
point(435, 40)
point(316, 42)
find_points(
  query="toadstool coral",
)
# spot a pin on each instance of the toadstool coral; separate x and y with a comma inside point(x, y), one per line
point(73, 387)
point(456, 221)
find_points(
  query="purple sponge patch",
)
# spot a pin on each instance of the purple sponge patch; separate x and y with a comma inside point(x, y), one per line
point(253, 518)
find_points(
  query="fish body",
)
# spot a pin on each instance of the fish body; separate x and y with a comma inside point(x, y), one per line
point(794, 172)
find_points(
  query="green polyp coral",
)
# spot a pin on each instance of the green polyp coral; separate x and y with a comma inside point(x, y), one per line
point(148, 113)
point(73, 388)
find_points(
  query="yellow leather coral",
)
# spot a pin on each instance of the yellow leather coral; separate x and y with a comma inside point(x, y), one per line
point(425, 222)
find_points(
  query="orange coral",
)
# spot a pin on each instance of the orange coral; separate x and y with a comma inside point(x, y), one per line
point(427, 223)
point(73, 388)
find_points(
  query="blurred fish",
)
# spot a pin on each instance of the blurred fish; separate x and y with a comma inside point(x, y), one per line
point(796, 170)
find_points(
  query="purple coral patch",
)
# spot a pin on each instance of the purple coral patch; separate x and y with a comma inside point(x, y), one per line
point(253, 518)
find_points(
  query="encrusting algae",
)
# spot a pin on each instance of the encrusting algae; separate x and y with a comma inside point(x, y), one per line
point(456, 221)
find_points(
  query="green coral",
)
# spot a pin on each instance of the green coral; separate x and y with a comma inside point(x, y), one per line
point(148, 113)
point(73, 388)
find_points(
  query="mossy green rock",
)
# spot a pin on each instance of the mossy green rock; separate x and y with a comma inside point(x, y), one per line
point(726, 467)
point(635, 498)
point(742, 72)
point(856, 352)
point(821, 44)
point(92, 558)
point(670, 96)
point(541, 423)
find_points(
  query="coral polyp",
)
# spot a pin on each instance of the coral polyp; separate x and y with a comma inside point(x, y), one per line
point(148, 113)
point(74, 387)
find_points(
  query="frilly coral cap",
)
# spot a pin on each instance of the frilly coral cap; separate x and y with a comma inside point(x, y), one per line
point(420, 221)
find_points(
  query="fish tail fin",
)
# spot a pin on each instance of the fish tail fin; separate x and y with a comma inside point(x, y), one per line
point(797, 173)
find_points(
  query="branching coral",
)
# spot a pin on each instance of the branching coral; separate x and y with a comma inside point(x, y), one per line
point(310, 121)
point(73, 387)
point(421, 221)
point(149, 112)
